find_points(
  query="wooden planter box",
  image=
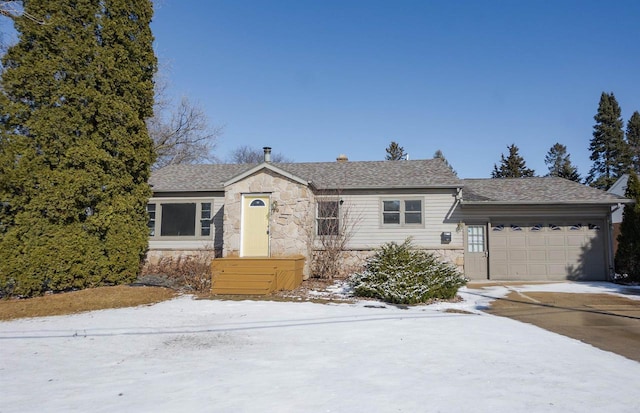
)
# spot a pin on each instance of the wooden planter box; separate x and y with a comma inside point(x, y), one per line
point(255, 276)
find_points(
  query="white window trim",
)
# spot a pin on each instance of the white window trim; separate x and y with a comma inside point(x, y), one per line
point(402, 200)
point(198, 224)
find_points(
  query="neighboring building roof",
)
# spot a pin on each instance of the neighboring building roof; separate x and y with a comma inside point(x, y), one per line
point(539, 190)
point(429, 173)
point(620, 186)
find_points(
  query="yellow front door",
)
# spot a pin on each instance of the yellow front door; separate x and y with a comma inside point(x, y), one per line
point(255, 226)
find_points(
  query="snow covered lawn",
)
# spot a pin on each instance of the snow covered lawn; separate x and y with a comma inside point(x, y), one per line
point(258, 356)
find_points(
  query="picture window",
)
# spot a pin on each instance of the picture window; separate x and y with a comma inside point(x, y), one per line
point(180, 219)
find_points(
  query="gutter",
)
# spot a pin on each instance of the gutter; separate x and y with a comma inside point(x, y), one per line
point(529, 203)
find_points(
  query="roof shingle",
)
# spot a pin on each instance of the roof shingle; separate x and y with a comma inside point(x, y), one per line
point(430, 173)
point(539, 190)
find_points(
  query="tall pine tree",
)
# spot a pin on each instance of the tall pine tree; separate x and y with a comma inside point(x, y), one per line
point(609, 151)
point(513, 166)
point(439, 155)
point(633, 139)
point(559, 163)
point(395, 152)
point(627, 258)
point(75, 155)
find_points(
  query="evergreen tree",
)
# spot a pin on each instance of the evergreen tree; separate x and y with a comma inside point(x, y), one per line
point(75, 155)
point(395, 152)
point(512, 166)
point(559, 164)
point(627, 258)
point(440, 155)
point(609, 151)
point(633, 139)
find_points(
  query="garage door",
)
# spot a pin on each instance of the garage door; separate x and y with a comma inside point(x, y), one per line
point(547, 251)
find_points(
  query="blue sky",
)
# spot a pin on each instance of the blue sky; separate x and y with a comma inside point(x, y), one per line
point(314, 79)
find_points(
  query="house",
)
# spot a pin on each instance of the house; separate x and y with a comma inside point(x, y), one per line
point(503, 229)
point(618, 188)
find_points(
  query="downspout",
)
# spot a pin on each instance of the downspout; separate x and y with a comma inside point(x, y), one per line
point(611, 256)
point(456, 203)
point(486, 246)
point(615, 208)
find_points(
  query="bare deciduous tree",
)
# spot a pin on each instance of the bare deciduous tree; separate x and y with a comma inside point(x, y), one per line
point(11, 10)
point(335, 225)
point(247, 154)
point(14, 8)
point(181, 133)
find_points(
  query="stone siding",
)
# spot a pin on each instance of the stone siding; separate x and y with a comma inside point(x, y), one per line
point(354, 260)
point(154, 257)
point(291, 221)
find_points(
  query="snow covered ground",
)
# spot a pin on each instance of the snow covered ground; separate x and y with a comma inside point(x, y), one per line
point(258, 356)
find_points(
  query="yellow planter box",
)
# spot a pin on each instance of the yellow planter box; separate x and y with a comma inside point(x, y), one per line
point(255, 276)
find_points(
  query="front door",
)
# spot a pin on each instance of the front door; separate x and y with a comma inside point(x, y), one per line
point(255, 226)
point(475, 255)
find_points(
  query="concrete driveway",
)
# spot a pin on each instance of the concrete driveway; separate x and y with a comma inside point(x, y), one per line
point(609, 322)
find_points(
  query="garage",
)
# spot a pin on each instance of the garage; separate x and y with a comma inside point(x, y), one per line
point(537, 229)
point(547, 251)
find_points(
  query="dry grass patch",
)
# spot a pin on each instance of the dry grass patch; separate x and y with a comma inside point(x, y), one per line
point(84, 300)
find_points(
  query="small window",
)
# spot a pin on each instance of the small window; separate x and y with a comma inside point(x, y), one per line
point(475, 238)
point(576, 227)
point(515, 228)
point(178, 220)
point(205, 219)
point(594, 227)
point(257, 203)
point(151, 223)
point(498, 228)
point(413, 212)
point(402, 212)
point(328, 217)
point(536, 227)
point(554, 227)
point(391, 212)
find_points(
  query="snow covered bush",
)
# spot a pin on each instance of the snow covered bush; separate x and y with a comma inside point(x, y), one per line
point(401, 275)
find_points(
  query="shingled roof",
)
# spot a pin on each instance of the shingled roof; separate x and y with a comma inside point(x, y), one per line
point(429, 173)
point(539, 190)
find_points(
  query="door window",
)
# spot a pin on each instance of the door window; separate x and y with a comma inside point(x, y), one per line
point(475, 238)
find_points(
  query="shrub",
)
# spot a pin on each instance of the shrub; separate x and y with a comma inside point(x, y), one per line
point(627, 259)
point(185, 273)
point(399, 274)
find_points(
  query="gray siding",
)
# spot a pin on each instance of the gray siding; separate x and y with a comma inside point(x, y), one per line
point(365, 211)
